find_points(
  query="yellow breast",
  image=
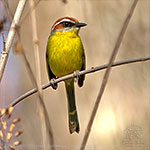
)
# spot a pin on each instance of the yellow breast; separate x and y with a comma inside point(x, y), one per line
point(65, 53)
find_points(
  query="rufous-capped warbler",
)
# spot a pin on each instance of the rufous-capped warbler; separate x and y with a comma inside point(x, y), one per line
point(64, 55)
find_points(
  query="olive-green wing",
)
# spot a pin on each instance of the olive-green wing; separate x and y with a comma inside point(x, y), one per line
point(82, 77)
point(50, 74)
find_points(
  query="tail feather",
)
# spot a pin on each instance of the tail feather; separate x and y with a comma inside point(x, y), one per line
point(72, 111)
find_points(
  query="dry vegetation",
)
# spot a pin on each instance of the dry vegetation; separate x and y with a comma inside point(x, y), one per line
point(126, 99)
point(8, 134)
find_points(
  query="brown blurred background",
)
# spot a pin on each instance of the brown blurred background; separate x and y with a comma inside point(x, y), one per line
point(125, 109)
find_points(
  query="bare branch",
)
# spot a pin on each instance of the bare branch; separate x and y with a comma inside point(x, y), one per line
point(107, 73)
point(88, 71)
point(11, 34)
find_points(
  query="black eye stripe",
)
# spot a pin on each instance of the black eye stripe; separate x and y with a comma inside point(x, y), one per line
point(67, 24)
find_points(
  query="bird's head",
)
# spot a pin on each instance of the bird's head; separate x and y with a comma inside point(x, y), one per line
point(67, 24)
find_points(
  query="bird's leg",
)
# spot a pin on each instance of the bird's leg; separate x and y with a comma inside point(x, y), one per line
point(76, 75)
point(53, 84)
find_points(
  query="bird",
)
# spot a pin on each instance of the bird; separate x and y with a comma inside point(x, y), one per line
point(65, 55)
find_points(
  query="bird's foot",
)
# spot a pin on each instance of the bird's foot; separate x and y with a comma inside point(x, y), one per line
point(53, 84)
point(76, 75)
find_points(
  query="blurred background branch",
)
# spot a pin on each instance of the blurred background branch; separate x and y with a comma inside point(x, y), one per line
point(38, 73)
point(107, 73)
point(44, 114)
point(36, 3)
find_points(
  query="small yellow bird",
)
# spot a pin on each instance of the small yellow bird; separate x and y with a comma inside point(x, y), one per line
point(64, 55)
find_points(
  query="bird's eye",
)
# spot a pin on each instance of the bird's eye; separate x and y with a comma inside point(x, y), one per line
point(67, 24)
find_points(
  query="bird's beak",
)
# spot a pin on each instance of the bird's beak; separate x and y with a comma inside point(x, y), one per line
point(80, 24)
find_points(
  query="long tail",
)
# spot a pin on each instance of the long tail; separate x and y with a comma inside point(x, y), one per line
point(72, 112)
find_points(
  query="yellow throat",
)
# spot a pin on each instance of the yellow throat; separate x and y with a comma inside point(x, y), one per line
point(65, 51)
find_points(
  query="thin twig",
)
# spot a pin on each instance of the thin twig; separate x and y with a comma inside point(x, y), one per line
point(88, 71)
point(11, 34)
point(107, 73)
point(44, 116)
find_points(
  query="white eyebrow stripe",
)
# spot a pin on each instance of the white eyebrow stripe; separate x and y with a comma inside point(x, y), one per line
point(68, 20)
